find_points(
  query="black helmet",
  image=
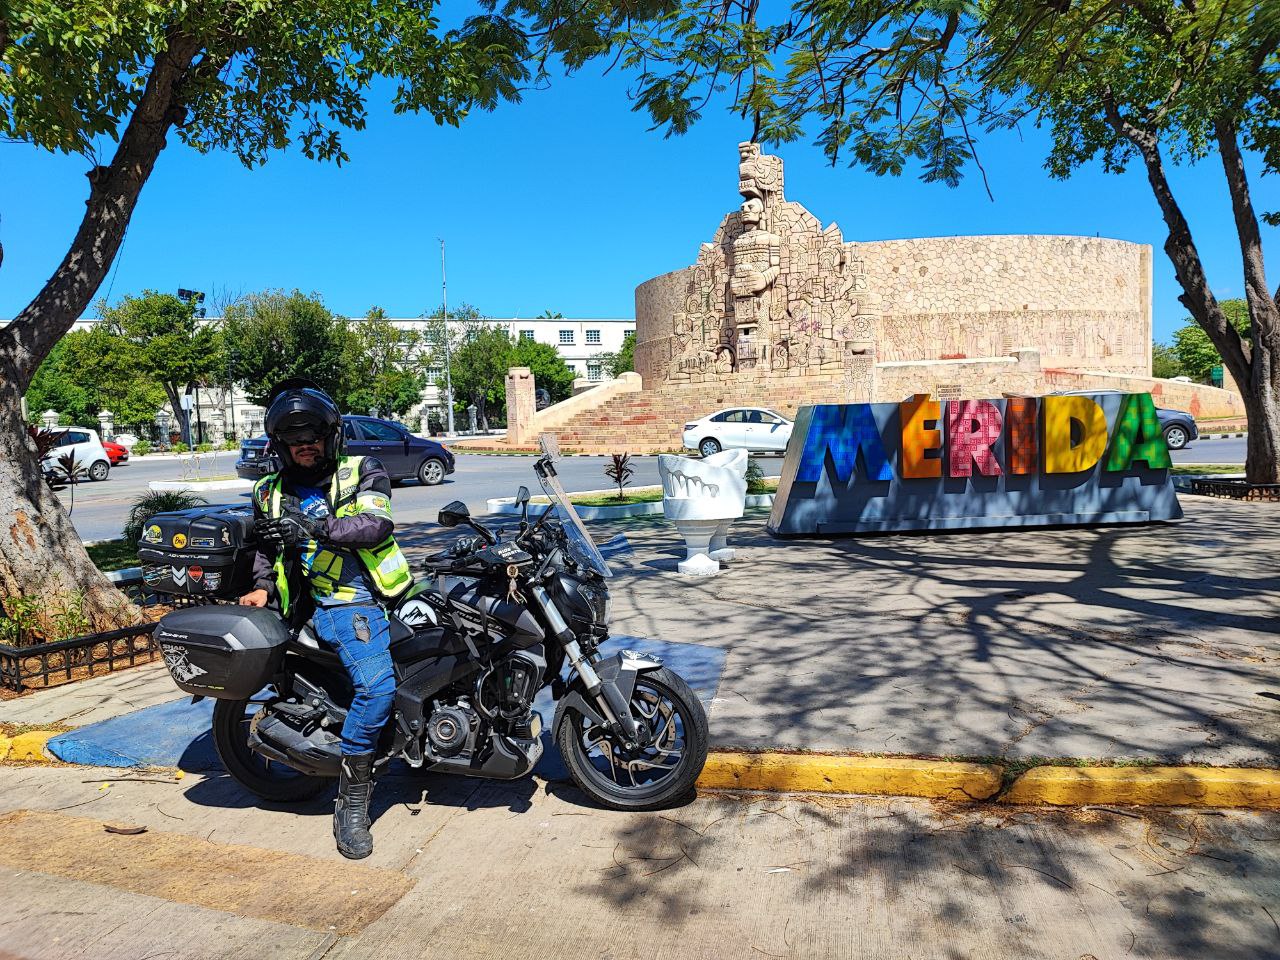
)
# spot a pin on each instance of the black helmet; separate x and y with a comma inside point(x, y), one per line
point(300, 412)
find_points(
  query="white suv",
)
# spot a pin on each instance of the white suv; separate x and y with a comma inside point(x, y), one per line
point(84, 444)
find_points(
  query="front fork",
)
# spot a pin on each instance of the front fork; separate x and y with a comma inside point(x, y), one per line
point(607, 683)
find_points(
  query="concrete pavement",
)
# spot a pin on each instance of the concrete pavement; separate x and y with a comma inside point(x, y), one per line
point(524, 869)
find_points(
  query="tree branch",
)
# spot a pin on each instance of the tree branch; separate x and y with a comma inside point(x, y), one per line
point(113, 194)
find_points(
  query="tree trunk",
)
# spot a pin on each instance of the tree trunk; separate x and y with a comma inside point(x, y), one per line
point(41, 556)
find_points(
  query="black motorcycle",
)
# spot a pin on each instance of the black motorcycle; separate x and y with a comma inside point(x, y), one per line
point(496, 622)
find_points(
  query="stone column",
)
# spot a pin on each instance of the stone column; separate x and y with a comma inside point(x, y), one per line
point(50, 419)
point(217, 429)
point(521, 406)
point(106, 424)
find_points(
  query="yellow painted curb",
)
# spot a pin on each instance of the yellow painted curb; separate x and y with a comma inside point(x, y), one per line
point(1258, 789)
point(4, 746)
point(891, 776)
point(28, 747)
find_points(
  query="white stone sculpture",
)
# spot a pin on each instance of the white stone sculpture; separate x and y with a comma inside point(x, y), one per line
point(702, 498)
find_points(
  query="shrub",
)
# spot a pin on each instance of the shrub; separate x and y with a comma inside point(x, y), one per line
point(755, 479)
point(204, 448)
point(619, 470)
point(231, 444)
point(179, 447)
point(149, 504)
point(141, 448)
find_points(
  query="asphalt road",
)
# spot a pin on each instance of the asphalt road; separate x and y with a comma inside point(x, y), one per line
point(100, 508)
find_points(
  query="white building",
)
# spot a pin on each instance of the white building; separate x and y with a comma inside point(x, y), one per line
point(579, 342)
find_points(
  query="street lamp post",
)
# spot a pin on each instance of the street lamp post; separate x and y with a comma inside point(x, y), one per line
point(448, 359)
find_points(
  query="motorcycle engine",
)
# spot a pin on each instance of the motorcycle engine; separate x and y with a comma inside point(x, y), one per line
point(451, 729)
point(506, 691)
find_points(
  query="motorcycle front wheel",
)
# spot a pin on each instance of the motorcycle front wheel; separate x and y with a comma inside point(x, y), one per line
point(265, 778)
point(661, 774)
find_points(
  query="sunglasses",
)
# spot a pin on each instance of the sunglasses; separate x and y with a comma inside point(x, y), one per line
point(300, 435)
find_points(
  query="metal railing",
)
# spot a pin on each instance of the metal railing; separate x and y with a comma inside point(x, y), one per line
point(1236, 489)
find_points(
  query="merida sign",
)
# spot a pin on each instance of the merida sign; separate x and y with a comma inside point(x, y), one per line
point(924, 464)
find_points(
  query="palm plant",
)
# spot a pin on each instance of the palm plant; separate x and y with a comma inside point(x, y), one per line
point(619, 470)
point(71, 471)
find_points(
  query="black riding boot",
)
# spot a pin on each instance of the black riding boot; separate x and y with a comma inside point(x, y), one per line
point(351, 811)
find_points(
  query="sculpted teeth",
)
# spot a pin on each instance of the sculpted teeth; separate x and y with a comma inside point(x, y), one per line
point(681, 486)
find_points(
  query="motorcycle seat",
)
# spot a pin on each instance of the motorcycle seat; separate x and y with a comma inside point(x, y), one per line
point(306, 636)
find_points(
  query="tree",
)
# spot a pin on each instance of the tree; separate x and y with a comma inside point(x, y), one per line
point(549, 370)
point(248, 78)
point(891, 83)
point(1165, 362)
point(624, 360)
point(380, 367)
point(89, 371)
point(480, 367)
point(272, 336)
point(165, 342)
point(1197, 356)
point(550, 315)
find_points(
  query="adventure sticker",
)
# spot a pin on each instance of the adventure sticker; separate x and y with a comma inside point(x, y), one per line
point(175, 658)
point(153, 534)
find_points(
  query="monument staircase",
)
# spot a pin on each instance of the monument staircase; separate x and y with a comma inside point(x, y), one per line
point(652, 421)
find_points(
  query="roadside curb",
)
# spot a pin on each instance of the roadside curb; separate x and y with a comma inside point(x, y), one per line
point(1220, 787)
point(27, 747)
point(1221, 436)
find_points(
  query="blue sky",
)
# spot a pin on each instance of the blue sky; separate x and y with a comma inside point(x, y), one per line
point(565, 202)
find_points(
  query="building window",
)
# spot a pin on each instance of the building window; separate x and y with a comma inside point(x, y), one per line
point(593, 336)
point(526, 334)
point(434, 374)
point(566, 338)
point(593, 371)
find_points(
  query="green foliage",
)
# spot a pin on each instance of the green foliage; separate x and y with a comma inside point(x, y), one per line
point(480, 369)
point(180, 447)
point(204, 447)
point(1165, 362)
point(619, 470)
point(1197, 356)
point(550, 372)
point(755, 478)
point(273, 335)
point(380, 367)
point(149, 504)
point(141, 448)
point(160, 339)
point(624, 360)
point(264, 74)
point(91, 370)
point(28, 621)
point(230, 444)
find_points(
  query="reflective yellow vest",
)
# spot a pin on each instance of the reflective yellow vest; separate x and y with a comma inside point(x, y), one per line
point(385, 563)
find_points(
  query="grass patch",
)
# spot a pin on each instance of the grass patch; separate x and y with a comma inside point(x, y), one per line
point(113, 555)
point(17, 729)
point(1193, 469)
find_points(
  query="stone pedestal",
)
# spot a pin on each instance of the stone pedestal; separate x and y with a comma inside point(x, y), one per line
point(522, 404)
point(50, 419)
point(106, 424)
point(703, 498)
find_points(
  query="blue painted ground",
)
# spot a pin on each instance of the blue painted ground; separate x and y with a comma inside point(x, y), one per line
point(177, 734)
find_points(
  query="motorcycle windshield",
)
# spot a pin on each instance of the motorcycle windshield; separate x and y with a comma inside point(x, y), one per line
point(581, 545)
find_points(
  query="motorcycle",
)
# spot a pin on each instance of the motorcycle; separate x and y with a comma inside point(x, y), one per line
point(498, 621)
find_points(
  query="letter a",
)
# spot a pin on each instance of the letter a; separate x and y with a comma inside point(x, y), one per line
point(1137, 436)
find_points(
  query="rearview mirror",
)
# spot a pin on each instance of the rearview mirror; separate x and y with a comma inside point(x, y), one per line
point(522, 496)
point(453, 514)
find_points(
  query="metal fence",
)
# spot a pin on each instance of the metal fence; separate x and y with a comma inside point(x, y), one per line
point(1236, 489)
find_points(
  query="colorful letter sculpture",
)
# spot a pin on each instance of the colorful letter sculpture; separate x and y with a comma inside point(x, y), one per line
point(703, 497)
point(929, 465)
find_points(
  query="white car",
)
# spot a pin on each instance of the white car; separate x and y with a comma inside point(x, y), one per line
point(747, 428)
point(84, 444)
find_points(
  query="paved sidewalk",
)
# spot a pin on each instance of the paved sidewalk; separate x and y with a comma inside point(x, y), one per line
point(524, 869)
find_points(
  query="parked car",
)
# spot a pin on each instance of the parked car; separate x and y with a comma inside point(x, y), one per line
point(1178, 426)
point(405, 455)
point(84, 444)
point(117, 453)
point(126, 440)
point(748, 428)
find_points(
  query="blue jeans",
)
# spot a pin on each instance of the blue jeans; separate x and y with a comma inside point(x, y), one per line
point(361, 636)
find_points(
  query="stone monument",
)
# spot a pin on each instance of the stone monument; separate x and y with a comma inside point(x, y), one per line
point(522, 404)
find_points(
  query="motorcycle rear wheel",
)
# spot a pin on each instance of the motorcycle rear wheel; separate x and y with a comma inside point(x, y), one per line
point(651, 780)
point(260, 776)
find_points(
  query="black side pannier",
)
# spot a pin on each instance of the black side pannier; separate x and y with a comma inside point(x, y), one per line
point(222, 650)
point(205, 552)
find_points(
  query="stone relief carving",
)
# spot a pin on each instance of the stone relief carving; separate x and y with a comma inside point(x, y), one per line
point(774, 292)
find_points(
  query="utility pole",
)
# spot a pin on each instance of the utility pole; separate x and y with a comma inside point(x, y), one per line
point(448, 359)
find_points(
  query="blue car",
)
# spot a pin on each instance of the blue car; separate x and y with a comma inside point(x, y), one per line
point(405, 455)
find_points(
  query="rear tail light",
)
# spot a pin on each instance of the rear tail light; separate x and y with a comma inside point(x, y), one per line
point(690, 426)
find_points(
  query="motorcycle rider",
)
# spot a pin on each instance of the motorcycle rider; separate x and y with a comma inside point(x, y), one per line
point(328, 516)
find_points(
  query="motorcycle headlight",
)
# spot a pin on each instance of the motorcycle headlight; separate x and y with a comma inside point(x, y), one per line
point(597, 599)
